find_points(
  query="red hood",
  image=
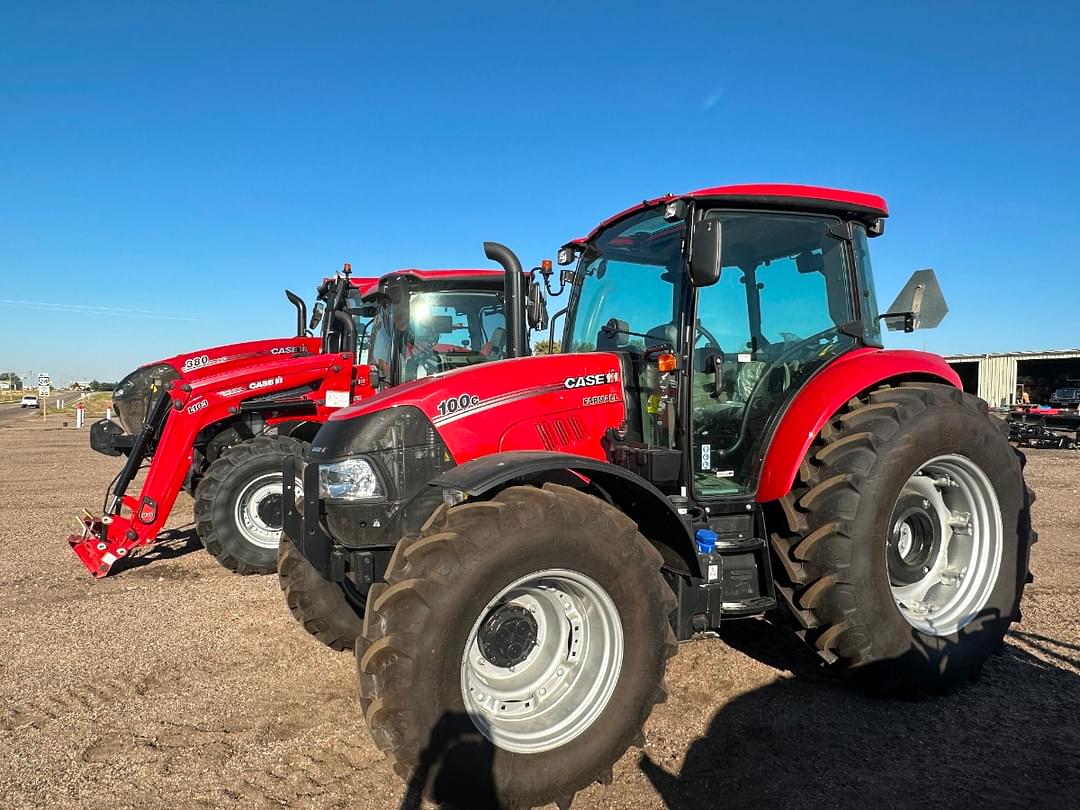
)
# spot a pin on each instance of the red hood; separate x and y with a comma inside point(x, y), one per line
point(561, 402)
point(203, 362)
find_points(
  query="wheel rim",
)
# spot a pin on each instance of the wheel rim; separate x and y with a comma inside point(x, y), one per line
point(555, 643)
point(259, 510)
point(943, 550)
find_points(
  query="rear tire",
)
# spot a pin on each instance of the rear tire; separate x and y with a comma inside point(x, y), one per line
point(850, 563)
point(420, 650)
point(236, 514)
point(322, 607)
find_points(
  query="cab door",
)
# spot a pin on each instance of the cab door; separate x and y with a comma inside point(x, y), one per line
point(778, 312)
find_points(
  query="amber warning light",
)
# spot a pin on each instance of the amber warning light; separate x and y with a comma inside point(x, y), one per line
point(666, 362)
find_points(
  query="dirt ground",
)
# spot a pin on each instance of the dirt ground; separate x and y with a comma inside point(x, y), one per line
point(174, 682)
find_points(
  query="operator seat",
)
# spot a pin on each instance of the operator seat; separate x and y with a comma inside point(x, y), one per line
point(495, 348)
point(664, 333)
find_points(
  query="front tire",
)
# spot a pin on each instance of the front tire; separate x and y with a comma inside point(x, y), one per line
point(238, 507)
point(323, 608)
point(517, 648)
point(907, 539)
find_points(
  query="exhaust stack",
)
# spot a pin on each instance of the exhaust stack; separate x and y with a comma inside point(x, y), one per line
point(514, 298)
point(301, 312)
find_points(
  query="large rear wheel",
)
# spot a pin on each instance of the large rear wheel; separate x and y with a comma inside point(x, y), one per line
point(238, 504)
point(906, 546)
point(517, 648)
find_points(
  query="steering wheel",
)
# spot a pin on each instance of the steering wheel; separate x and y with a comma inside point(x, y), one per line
point(780, 360)
point(710, 339)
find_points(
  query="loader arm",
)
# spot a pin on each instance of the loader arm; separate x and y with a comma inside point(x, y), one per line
point(280, 391)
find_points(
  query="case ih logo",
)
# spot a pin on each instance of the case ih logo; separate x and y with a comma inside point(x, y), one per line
point(193, 363)
point(264, 383)
point(586, 380)
point(285, 349)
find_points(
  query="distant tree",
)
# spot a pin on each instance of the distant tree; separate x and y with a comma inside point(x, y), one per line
point(95, 385)
point(546, 346)
point(11, 377)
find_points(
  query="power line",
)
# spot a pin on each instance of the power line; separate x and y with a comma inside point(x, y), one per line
point(95, 310)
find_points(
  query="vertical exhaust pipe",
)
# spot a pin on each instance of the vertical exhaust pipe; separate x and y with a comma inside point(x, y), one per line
point(513, 298)
point(347, 341)
point(301, 312)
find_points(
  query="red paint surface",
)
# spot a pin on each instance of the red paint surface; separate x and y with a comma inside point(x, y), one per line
point(521, 404)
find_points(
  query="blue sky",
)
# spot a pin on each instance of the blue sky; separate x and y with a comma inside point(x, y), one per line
point(192, 159)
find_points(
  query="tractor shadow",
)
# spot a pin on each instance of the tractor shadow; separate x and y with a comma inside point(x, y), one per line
point(1009, 740)
point(456, 768)
point(170, 544)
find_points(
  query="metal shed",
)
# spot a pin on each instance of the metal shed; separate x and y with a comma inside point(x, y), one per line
point(1003, 378)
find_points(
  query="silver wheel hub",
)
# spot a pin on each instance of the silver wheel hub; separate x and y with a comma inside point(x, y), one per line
point(944, 546)
point(259, 510)
point(542, 661)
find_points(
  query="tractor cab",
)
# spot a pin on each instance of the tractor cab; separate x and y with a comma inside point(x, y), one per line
point(747, 303)
point(426, 322)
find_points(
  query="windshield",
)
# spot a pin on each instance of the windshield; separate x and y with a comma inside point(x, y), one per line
point(631, 273)
point(440, 331)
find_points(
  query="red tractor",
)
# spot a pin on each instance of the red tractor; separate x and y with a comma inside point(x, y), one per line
point(219, 422)
point(519, 546)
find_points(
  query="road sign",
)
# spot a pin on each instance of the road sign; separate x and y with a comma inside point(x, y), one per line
point(44, 390)
point(44, 379)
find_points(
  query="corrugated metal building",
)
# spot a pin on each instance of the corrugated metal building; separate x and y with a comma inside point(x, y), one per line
point(1005, 378)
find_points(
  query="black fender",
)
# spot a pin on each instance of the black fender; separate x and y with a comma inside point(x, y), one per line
point(636, 497)
point(304, 430)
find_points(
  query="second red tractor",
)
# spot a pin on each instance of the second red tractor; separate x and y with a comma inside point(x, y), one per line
point(219, 422)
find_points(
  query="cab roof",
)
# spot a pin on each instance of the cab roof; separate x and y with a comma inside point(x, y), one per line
point(459, 278)
point(857, 204)
point(365, 286)
point(463, 274)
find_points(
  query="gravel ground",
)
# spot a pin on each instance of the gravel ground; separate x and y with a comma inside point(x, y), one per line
point(175, 682)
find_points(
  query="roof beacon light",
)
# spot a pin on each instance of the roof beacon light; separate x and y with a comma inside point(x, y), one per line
point(666, 362)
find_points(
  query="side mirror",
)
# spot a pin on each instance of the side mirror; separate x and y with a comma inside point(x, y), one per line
point(705, 253)
point(316, 315)
point(920, 305)
point(536, 306)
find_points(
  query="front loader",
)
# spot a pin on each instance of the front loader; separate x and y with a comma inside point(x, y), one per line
point(221, 429)
point(133, 394)
point(724, 437)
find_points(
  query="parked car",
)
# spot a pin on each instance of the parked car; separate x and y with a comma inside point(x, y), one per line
point(28, 401)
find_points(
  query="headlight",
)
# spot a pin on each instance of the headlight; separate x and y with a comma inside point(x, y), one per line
point(348, 480)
